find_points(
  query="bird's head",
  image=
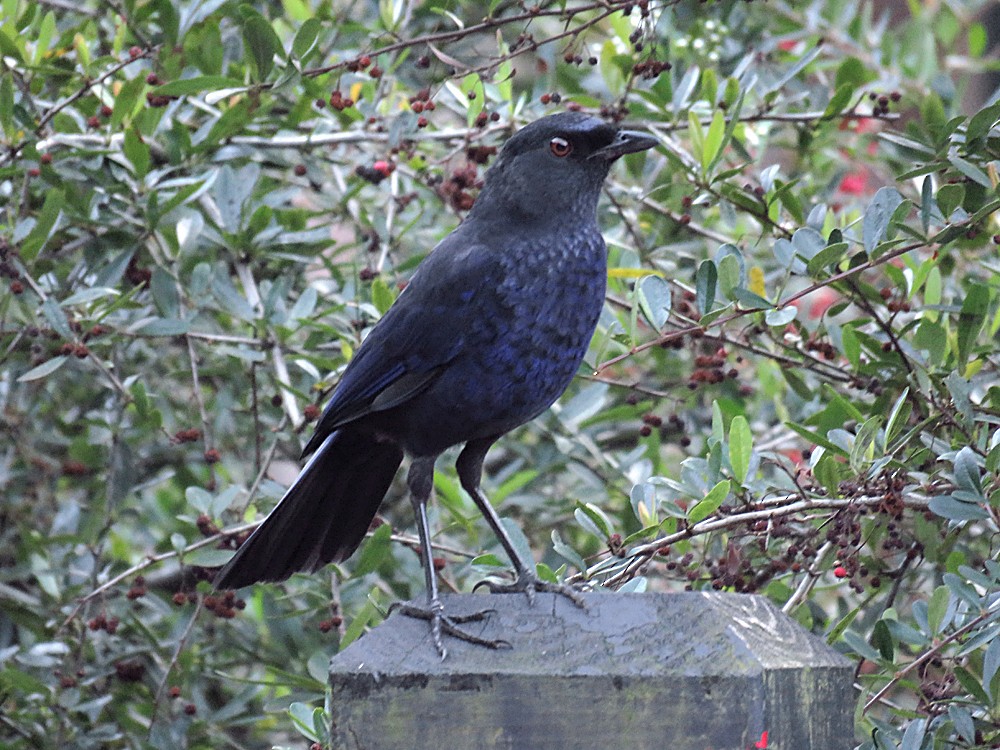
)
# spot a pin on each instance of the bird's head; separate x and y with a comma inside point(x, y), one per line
point(556, 166)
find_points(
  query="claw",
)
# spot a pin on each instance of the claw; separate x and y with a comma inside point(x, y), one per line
point(448, 624)
point(529, 585)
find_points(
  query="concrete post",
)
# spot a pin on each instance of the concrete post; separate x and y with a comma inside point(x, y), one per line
point(692, 671)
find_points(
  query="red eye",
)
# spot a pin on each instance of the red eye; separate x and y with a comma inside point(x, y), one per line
point(560, 147)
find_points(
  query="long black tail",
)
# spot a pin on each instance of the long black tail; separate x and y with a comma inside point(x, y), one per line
point(323, 516)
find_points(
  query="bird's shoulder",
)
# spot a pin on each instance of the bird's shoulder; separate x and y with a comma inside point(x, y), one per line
point(426, 327)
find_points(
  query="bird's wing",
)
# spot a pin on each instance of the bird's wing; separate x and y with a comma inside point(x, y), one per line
point(416, 338)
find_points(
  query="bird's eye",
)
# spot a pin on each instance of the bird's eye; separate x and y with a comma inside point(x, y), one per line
point(560, 147)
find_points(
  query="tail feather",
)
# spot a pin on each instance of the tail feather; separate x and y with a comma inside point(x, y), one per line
point(323, 516)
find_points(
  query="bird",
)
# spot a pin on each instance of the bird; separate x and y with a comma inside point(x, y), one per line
point(487, 334)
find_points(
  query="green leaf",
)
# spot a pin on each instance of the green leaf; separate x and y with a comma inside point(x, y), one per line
point(55, 199)
point(375, 551)
point(475, 93)
point(898, 416)
point(196, 85)
point(982, 122)
point(136, 151)
point(949, 197)
point(711, 502)
point(7, 101)
point(9, 48)
point(566, 552)
point(697, 137)
point(264, 44)
point(878, 215)
point(991, 662)
point(705, 281)
point(781, 316)
point(302, 719)
point(971, 171)
point(967, 474)
point(714, 142)
point(882, 640)
point(843, 624)
point(852, 72)
point(594, 520)
point(740, 448)
point(937, 607)
point(653, 295)
point(46, 368)
point(163, 327)
point(164, 290)
point(127, 102)
point(46, 31)
point(840, 99)
point(932, 114)
point(862, 450)
point(305, 39)
point(948, 507)
point(827, 257)
point(382, 296)
point(975, 307)
point(729, 274)
point(207, 557)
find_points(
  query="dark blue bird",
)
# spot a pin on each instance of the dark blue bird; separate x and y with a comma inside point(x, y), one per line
point(486, 336)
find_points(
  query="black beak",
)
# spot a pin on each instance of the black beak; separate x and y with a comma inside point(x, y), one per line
point(626, 142)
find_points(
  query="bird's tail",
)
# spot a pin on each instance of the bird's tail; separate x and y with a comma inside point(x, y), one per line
point(323, 516)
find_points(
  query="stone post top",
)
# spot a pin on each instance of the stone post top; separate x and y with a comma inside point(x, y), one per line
point(616, 634)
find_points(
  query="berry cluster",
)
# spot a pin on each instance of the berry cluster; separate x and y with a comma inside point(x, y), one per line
point(137, 590)
point(325, 626)
point(103, 622)
point(480, 154)
point(455, 189)
point(225, 605)
point(573, 58)
point(817, 344)
point(650, 69)
point(188, 435)
point(339, 102)
point(376, 172)
point(881, 102)
point(894, 304)
point(710, 368)
point(8, 269)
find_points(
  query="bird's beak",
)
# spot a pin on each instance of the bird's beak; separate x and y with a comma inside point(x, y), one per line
point(626, 142)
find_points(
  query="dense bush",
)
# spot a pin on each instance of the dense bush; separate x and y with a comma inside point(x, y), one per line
point(793, 389)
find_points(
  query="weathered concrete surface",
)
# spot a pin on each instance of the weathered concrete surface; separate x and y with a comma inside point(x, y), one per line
point(693, 671)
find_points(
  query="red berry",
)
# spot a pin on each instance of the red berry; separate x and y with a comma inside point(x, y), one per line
point(34, 172)
point(840, 571)
point(300, 169)
point(134, 52)
point(152, 79)
point(375, 72)
point(384, 168)
point(421, 122)
point(45, 158)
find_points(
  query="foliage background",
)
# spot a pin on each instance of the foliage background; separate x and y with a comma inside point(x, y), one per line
point(793, 389)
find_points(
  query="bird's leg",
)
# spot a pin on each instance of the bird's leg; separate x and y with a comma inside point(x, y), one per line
point(420, 480)
point(470, 471)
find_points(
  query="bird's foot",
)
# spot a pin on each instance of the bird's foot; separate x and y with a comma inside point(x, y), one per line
point(529, 584)
point(448, 624)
